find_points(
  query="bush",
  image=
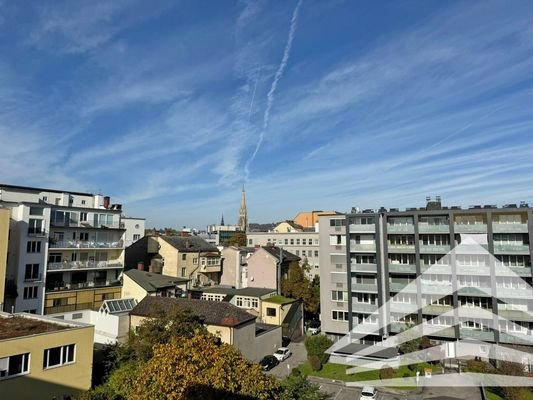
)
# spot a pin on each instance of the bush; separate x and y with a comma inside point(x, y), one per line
point(317, 346)
point(386, 373)
point(315, 363)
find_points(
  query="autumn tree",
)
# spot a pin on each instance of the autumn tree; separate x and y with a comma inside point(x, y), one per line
point(297, 387)
point(201, 368)
point(238, 239)
point(298, 286)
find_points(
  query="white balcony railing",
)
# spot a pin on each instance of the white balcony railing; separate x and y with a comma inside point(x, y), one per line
point(66, 265)
point(79, 244)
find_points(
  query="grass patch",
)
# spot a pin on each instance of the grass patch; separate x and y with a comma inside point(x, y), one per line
point(338, 372)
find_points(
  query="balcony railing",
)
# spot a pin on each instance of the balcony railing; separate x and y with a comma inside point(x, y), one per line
point(62, 286)
point(362, 228)
point(364, 267)
point(476, 334)
point(402, 268)
point(66, 265)
point(470, 228)
point(83, 224)
point(432, 228)
point(400, 228)
point(436, 309)
point(68, 308)
point(37, 232)
point(511, 248)
point(364, 307)
point(359, 247)
point(434, 248)
point(79, 244)
point(509, 228)
point(365, 287)
point(401, 248)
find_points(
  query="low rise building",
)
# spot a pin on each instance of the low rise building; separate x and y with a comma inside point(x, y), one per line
point(44, 358)
point(134, 229)
point(268, 265)
point(286, 312)
point(309, 219)
point(138, 284)
point(233, 325)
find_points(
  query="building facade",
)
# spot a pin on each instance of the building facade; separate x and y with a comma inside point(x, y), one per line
point(4, 237)
point(66, 250)
point(385, 270)
point(309, 219)
point(134, 229)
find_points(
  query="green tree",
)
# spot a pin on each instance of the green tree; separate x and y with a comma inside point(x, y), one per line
point(317, 346)
point(238, 239)
point(513, 369)
point(200, 368)
point(297, 387)
point(413, 341)
point(298, 286)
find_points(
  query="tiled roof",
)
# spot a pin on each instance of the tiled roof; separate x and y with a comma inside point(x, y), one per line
point(150, 281)
point(213, 312)
point(189, 244)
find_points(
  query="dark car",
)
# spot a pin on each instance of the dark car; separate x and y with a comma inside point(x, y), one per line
point(268, 362)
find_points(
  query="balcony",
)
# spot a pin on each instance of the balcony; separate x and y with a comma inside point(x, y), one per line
point(405, 308)
point(68, 308)
point(511, 248)
point(516, 315)
point(481, 291)
point(509, 228)
point(436, 268)
point(36, 232)
point(79, 244)
point(477, 334)
point(401, 248)
point(434, 248)
point(337, 249)
point(470, 228)
point(514, 293)
point(83, 224)
point(429, 287)
point(62, 286)
point(398, 287)
point(522, 271)
point(75, 265)
point(402, 268)
point(362, 248)
point(210, 268)
point(365, 287)
point(400, 228)
point(436, 309)
point(363, 307)
point(362, 228)
point(515, 338)
point(431, 228)
point(364, 268)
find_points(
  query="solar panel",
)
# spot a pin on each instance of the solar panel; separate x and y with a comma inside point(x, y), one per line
point(117, 305)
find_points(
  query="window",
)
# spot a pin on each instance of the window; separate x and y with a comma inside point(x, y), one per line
point(184, 272)
point(83, 202)
point(136, 237)
point(33, 247)
point(45, 198)
point(32, 272)
point(36, 211)
point(337, 222)
point(195, 260)
point(304, 242)
point(30, 292)
point(57, 356)
point(54, 257)
point(271, 312)
point(297, 252)
point(83, 215)
point(35, 227)
point(286, 241)
point(298, 242)
point(184, 256)
point(250, 242)
point(303, 253)
point(339, 315)
point(338, 295)
point(292, 241)
point(316, 253)
point(14, 365)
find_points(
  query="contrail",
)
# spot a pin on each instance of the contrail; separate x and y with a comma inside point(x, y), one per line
point(273, 87)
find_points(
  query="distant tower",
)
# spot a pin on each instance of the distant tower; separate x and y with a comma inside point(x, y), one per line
point(222, 220)
point(243, 215)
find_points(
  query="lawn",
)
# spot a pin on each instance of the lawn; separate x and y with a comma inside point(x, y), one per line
point(494, 396)
point(338, 372)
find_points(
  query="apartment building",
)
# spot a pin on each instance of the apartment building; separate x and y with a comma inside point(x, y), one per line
point(4, 237)
point(44, 358)
point(462, 273)
point(304, 244)
point(134, 229)
point(66, 250)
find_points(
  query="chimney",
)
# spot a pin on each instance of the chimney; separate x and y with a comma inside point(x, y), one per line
point(140, 266)
point(151, 268)
point(187, 244)
point(107, 201)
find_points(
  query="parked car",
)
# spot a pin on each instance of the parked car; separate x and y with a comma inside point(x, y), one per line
point(282, 353)
point(268, 362)
point(368, 393)
point(314, 328)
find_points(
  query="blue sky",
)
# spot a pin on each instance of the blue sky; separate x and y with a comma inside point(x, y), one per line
point(170, 106)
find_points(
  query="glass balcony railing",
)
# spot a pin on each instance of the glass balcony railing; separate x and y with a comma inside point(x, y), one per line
point(362, 228)
point(359, 247)
point(470, 228)
point(364, 287)
point(402, 268)
point(67, 265)
point(364, 267)
point(400, 228)
point(79, 244)
point(401, 248)
point(435, 248)
point(364, 307)
point(509, 228)
point(501, 248)
point(431, 228)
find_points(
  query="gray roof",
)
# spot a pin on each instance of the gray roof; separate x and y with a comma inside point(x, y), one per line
point(249, 291)
point(274, 251)
point(213, 312)
point(188, 244)
point(151, 282)
point(383, 352)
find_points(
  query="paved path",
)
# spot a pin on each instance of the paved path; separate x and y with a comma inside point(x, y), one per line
point(299, 355)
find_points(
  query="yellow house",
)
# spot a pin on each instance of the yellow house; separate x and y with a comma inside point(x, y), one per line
point(4, 235)
point(287, 226)
point(283, 311)
point(44, 358)
point(231, 324)
point(138, 284)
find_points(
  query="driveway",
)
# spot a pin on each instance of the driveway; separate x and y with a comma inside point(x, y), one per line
point(299, 355)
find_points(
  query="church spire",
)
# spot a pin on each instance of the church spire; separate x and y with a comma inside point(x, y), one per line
point(222, 220)
point(243, 214)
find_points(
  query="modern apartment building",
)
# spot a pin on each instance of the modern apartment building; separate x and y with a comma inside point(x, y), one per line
point(383, 271)
point(44, 358)
point(4, 237)
point(66, 250)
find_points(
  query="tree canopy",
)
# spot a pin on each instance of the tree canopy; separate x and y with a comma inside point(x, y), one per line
point(238, 239)
point(298, 286)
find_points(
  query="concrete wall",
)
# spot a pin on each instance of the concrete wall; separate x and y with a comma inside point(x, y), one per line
point(244, 340)
point(133, 226)
point(262, 270)
point(4, 235)
point(267, 343)
point(58, 381)
point(131, 289)
point(230, 267)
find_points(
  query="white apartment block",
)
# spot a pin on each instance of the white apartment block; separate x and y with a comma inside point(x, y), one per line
point(303, 244)
point(134, 229)
point(65, 252)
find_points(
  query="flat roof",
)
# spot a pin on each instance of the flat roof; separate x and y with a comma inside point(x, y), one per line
point(249, 291)
point(36, 189)
point(13, 326)
point(278, 299)
point(383, 352)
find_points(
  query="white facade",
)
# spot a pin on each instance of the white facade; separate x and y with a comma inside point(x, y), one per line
point(134, 229)
point(303, 244)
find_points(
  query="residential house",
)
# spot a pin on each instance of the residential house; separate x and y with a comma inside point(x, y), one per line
point(233, 325)
point(288, 226)
point(235, 266)
point(134, 229)
point(138, 284)
point(285, 312)
point(44, 358)
point(268, 265)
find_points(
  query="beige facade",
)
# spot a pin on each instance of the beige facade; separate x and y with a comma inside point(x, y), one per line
point(286, 227)
point(275, 309)
point(263, 267)
point(4, 235)
point(55, 362)
point(235, 270)
point(308, 219)
point(130, 289)
point(63, 301)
